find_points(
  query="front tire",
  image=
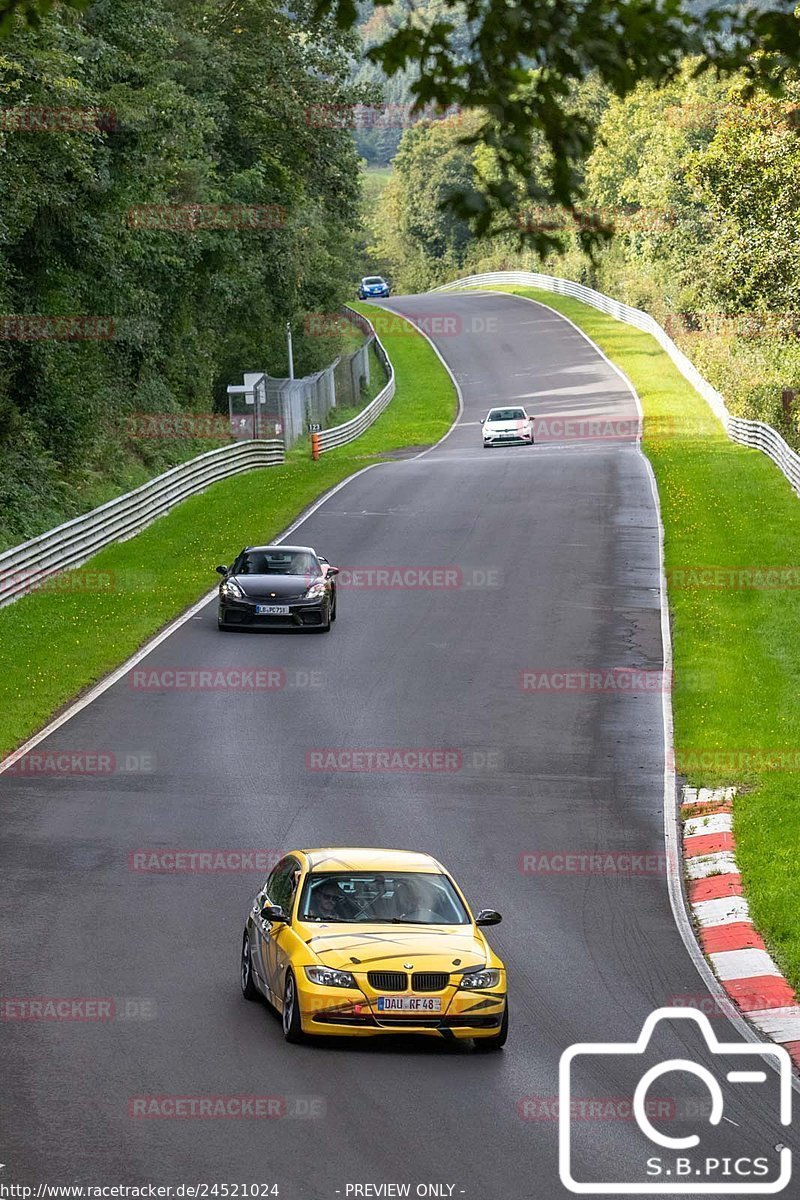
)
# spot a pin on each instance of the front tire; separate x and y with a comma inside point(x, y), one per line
point(290, 1017)
point(249, 989)
point(498, 1040)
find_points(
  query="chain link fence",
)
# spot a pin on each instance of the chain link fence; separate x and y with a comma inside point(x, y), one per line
point(265, 406)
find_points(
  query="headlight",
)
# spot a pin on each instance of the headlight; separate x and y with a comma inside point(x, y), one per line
point(316, 589)
point(231, 588)
point(327, 977)
point(480, 979)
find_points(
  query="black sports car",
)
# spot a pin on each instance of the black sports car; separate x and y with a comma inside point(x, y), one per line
point(289, 587)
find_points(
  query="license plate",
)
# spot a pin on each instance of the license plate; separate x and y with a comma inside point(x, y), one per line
point(408, 1004)
point(272, 610)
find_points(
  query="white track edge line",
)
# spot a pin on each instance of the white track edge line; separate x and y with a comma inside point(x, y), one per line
point(677, 897)
point(109, 680)
point(453, 379)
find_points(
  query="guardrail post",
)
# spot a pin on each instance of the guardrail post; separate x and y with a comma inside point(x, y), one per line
point(315, 446)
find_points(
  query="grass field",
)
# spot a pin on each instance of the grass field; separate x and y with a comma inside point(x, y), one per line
point(736, 636)
point(53, 645)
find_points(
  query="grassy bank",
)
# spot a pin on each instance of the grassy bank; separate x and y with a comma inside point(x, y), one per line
point(55, 644)
point(736, 637)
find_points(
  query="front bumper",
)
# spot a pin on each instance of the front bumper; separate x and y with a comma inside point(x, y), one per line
point(303, 614)
point(343, 1012)
point(515, 439)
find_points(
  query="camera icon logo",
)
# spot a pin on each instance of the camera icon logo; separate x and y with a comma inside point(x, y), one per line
point(676, 1170)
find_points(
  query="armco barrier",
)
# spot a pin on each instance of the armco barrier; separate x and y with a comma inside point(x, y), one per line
point(339, 435)
point(24, 567)
point(756, 434)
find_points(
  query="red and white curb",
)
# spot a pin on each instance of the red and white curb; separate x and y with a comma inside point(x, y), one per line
point(727, 934)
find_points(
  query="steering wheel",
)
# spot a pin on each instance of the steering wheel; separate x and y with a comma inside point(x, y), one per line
point(426, 915)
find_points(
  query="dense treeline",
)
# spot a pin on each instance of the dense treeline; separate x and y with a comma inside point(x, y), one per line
point(194, 102)
point(702, 186)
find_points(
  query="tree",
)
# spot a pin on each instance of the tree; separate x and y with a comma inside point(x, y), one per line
point(524, 59)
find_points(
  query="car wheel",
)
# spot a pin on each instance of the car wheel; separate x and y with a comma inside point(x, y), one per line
point(249, 989)
point(333, 611)
point(498, 1040)
point(487, 445)
point(326, 628)
point(290, 1017)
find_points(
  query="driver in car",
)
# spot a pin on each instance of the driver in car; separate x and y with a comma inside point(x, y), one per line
point(329, 903)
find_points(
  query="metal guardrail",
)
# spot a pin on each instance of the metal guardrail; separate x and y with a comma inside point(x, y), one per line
point(23, 568)
point(339, 435)
point(756, 434)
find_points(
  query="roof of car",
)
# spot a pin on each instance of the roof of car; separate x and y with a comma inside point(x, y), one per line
point(359, 858)
point(308, 549)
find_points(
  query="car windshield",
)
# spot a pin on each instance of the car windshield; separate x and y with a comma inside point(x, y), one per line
point(373, 279)
point(277, 562)
point(396, 897)
point(506, 414)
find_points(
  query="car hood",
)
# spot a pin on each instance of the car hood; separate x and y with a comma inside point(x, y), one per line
point(378, 947)
point(506, 426)
point(278, 586)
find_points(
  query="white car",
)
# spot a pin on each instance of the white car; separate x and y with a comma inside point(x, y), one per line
point(504, 426)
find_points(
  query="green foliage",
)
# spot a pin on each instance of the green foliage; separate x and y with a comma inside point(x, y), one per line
point(164, 569)
point(736, 689)
point(522, 62)
point(205, 103)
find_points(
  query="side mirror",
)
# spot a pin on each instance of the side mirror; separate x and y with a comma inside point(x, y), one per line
point(488, 916)
point(333, 570)
point(274, 913)
point(222, 570)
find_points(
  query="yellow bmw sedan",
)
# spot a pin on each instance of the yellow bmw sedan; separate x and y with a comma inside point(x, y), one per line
point(364, 942)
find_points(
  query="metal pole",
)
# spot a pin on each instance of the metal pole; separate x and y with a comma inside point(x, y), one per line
point(289, 348)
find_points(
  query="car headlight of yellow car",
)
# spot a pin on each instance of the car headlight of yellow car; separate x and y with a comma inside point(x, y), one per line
point(480, 979)
point(327, 977)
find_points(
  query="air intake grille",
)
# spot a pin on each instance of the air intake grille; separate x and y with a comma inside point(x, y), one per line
point(388, 981)
point(429, 981)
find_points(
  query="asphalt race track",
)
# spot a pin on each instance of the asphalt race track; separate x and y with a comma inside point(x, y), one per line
point(555, 553)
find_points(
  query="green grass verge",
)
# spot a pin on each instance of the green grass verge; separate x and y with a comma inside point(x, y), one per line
point(736, 649)
point(54, 645)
